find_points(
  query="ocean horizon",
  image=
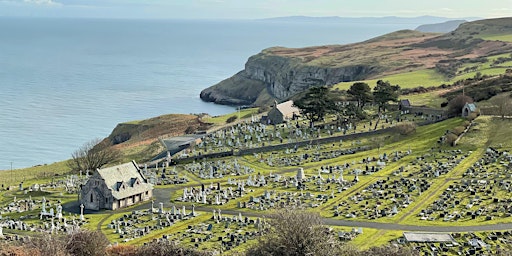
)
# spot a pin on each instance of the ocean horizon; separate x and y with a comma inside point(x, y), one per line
point(67, 81)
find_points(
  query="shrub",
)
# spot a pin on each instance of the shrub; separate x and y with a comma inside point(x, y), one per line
point(48, 245)
point(12, 250)
point(165, 248)
point(451, 138)
point(263, 109)
point(86, 242)
point(405, 128)
point(121, 250)
point(231, 119)
point(456, 104)
point(458, 130)
point(295, 232)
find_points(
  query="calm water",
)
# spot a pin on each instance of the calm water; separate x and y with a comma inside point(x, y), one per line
point(64, 82)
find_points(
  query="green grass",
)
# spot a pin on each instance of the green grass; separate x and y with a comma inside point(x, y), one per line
point(428, 99)
point(499, 37)
point(425, 78)
point(34, 174)
point(244, 113)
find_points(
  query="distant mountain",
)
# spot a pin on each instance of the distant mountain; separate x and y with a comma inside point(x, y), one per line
point(444, 27)
point(377, 20)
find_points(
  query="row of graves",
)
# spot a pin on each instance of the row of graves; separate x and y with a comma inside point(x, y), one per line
point(213, 194)
point(221, 232)
point(138, 224)
point(310, 153)
point(386, 197)
point(298, 191)
point(483, 194)
point(39, 216)
point(218, 169)
point(253, 135)
point(163, 175)
point(481, 243)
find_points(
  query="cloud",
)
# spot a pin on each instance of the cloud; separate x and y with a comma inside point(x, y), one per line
point(32, 2)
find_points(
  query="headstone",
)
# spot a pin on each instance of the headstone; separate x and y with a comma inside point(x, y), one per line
point(300, 174)
point(82, 212)
point(161, 208)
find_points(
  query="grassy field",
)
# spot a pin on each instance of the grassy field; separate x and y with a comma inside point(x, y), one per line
point(242, 114)
point(429, 77)
point(425, 78)
point(498, 37)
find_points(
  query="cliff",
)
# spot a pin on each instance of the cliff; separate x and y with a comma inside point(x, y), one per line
point(150, 129)
point(279, 73)
point(444, 27)
point(268, 76)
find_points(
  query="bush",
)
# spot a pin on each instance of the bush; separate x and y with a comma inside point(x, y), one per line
point(121, 250)
point(295, 232)
point(405, 128)
point(165, 248)
point(86, 242)
point(263, 109)
point(451, 138)
point(458, 130)
point(456, 104)
point(231, 119)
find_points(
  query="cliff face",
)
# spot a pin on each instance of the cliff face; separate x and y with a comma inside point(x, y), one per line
point(279, 73)
point(267, 77)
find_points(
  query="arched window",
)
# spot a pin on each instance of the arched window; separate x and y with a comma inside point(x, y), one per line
point(91, 198)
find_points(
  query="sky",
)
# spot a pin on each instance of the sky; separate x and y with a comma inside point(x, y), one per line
point(253, 9)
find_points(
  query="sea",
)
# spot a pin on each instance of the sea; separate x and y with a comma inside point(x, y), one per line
point(64, 82)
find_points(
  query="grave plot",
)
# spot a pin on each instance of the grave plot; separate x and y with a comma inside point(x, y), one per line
point(217, 169)
point(383, 198)
point(308, 154)
point(39, 216)
point(468, 200)
point(483, 194)
point(221, 231)
point(298, 191)
point(163, 176)
point(493, 165)
point(215, 194)
point(481, 243)
point(432, 165)
point(138, 224)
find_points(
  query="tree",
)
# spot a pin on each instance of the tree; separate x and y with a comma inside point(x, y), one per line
point(361, 92)
point(295, 232)
point(383, 93)
point(503, 105)
point(93, 155)
point(316, 103)
point(456, 104)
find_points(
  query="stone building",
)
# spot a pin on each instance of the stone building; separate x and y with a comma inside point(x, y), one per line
point(115, 187)
point(468, 109)
point(282, 112)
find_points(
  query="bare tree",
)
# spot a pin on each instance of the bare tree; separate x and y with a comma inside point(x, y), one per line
point(93, 155)
point(295, 232)
point(503, 105)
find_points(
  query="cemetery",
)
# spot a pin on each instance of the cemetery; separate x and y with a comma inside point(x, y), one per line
point(221, 203)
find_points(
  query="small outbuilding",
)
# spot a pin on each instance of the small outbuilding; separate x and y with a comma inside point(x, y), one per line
point(282, 112)
point(468, 109)
point(115, 187)
point(403, 104)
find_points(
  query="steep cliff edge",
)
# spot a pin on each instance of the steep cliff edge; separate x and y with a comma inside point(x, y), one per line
point(279, 73)
point(268, 76)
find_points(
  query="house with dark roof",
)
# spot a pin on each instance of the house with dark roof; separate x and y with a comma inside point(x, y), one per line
point(115, 187)
point(468, 109)
point(403, 104)
point(282, 112)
